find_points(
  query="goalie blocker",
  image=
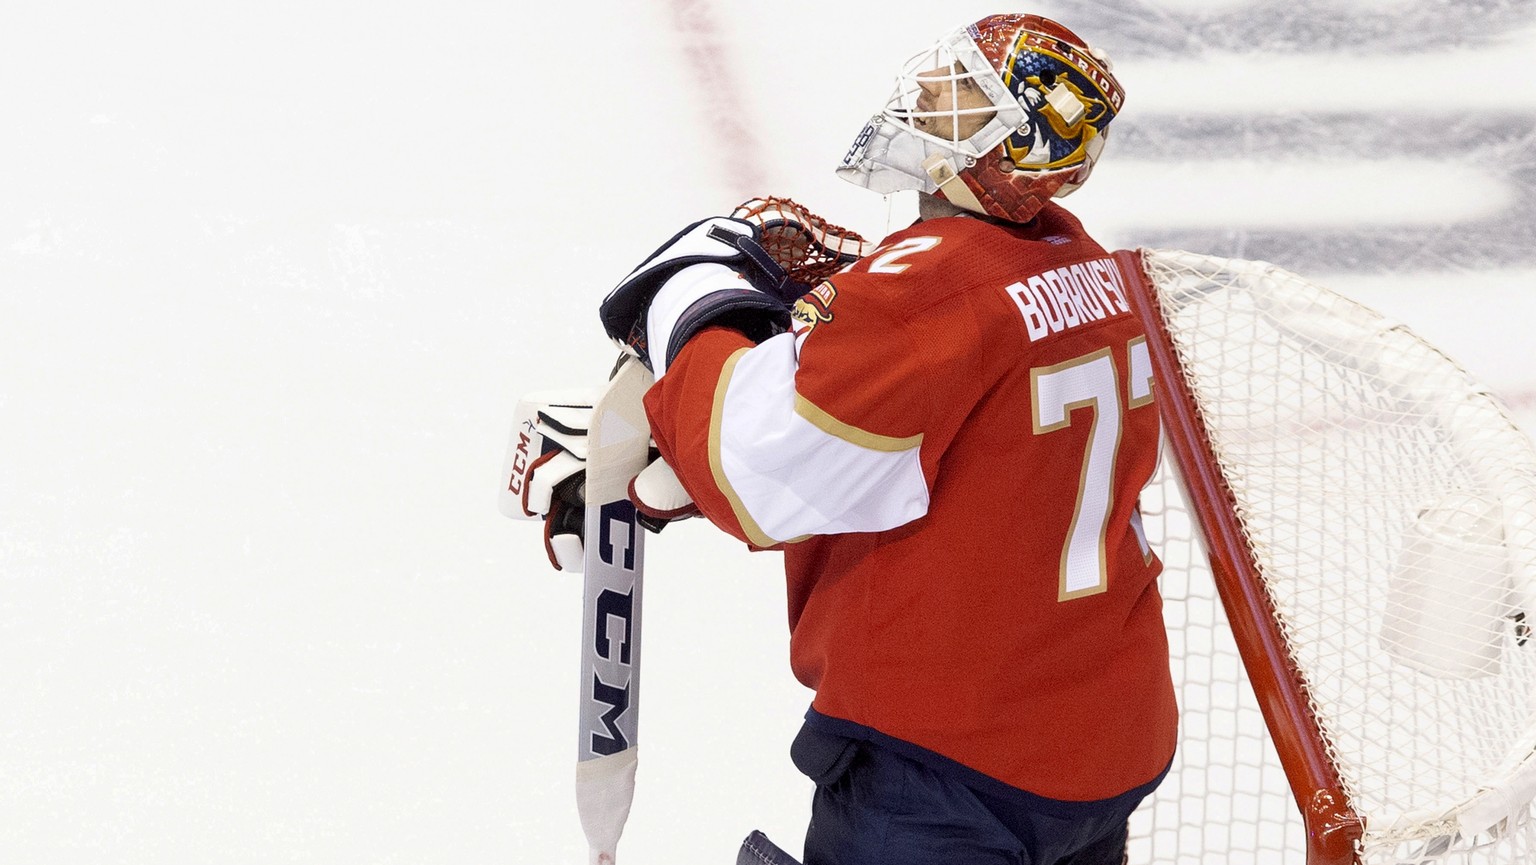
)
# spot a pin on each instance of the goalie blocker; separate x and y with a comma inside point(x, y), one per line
point(544, 475)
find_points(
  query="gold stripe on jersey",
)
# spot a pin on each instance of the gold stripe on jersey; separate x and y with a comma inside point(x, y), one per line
point(830, 425)
point(749, 526)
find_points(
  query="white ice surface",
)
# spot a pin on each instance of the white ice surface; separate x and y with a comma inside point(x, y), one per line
point(272, 278)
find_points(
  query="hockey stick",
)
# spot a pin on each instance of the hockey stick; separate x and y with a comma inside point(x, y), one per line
point(614, 560)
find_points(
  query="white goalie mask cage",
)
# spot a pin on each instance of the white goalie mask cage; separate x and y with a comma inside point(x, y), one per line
point(892, 155)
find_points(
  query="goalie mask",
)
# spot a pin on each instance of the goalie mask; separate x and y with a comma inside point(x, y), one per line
point(997, 118)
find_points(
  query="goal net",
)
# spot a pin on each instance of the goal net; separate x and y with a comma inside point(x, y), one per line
point(1348, 526)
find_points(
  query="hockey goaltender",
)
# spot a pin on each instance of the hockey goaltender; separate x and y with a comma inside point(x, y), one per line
point(947, 443)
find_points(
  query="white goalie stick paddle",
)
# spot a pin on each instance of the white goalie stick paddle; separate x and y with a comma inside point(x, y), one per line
point(614, 551)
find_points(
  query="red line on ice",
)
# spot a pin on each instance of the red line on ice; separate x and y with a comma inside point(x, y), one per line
point(707, 58)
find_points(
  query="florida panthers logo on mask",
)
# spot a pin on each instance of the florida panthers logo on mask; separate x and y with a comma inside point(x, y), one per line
point(1068, 100)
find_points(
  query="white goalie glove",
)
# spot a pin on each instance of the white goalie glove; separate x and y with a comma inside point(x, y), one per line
point(544, 475)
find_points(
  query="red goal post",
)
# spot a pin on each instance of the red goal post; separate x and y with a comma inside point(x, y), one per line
point(1333, 829)
point(1368, 517)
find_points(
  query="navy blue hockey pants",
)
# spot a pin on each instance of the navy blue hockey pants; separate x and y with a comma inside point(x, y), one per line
point(874, 806)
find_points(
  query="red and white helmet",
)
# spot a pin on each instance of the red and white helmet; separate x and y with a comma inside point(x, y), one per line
point(1042, 100)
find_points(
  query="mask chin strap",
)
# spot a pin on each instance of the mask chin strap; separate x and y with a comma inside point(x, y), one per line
point(942, 172)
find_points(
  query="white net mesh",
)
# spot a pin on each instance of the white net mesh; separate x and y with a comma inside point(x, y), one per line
point(1389, 504)
point(1226, 798)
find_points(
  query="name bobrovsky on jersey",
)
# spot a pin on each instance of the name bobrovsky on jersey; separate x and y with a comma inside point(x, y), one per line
point(1070, 296)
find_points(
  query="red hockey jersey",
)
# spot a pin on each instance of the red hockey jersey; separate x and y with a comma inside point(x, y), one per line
point(949, 449)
